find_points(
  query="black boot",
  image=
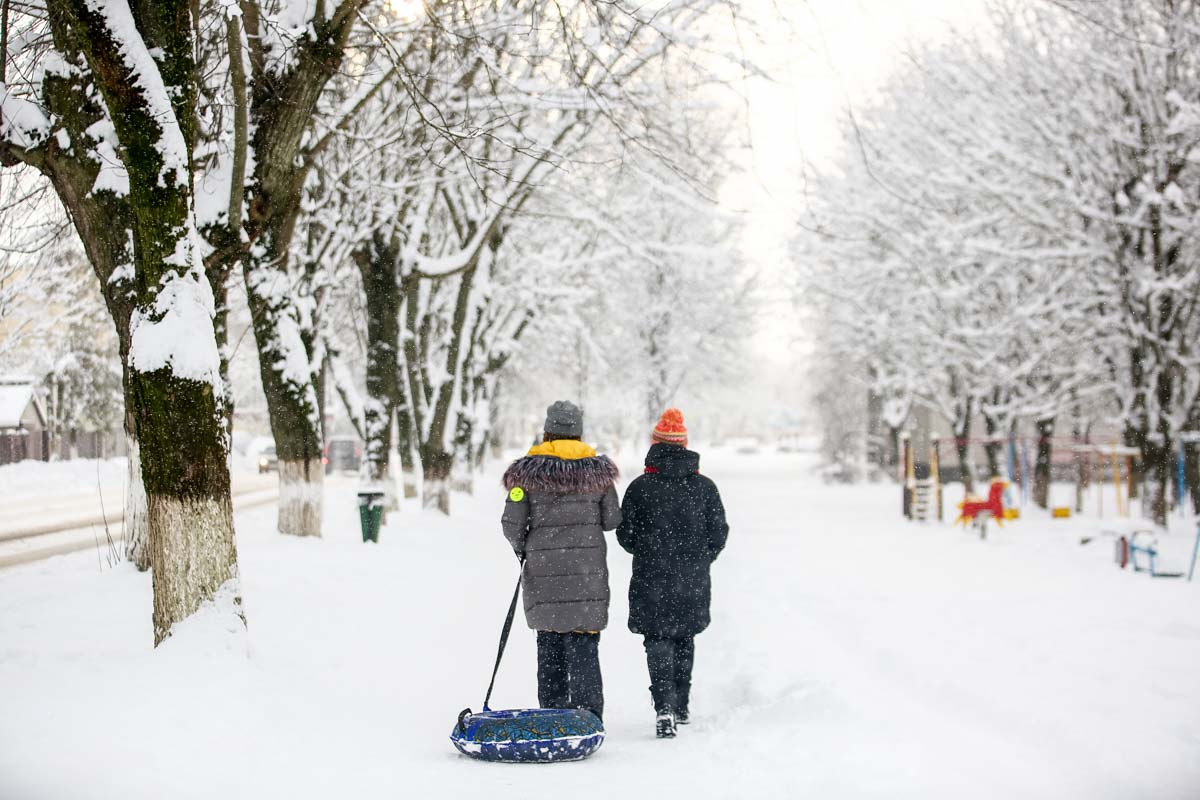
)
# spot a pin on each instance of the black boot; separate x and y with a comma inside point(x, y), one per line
point(681, 717)
point(664, 725)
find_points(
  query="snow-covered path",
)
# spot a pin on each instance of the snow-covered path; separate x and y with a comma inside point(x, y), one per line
point(851, 655)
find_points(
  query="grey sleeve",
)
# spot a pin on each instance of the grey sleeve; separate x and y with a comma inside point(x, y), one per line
point(610, 510)
point(515, 522)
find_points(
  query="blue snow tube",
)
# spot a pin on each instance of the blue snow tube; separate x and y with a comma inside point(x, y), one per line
point(525, 736)
point(528, 736)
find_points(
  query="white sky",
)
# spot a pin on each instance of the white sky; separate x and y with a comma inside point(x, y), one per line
point(821, 55)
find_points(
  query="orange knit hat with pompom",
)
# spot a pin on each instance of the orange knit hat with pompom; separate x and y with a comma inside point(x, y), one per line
point(670, 429)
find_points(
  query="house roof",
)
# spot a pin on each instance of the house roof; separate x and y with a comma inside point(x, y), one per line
point(15, 399)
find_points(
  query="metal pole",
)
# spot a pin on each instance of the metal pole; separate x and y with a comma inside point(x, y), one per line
point(1195, 549)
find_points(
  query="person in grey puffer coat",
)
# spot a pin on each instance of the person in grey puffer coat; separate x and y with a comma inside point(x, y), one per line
point(561, 499)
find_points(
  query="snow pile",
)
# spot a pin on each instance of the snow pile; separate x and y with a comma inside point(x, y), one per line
point(21, 122)
point(179, 336)
point(57, 478)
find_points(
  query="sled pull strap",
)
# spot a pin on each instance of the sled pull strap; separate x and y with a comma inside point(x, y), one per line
point(508, 621)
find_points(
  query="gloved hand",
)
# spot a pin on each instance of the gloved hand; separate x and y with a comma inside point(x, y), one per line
point(520, 554)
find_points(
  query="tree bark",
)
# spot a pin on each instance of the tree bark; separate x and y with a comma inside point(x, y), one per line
point(435, 468)
point(378, 264)
point(137, 521)
point(282, 108)
point(962, 435)
point(179, 419)
point(992, 426)
point(1041, 467)
point(290, 389)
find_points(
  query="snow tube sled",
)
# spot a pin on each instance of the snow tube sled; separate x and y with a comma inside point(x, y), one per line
point(538, 735)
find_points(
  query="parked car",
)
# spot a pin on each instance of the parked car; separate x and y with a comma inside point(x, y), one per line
point(342, 453)
point(267, 460)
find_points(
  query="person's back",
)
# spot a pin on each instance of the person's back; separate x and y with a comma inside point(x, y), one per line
point(674, 525)
point(564, 502)
point(561, 499)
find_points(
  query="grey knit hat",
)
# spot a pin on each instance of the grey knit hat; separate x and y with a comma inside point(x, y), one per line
point(564, 418)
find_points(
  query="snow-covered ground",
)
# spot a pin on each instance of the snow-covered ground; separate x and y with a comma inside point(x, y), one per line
point(851, 655)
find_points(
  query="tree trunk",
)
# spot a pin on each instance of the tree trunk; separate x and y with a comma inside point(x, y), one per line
point(177, 392)
point(993, 446)
point(405, 436)
point(893, 462)
point(1191, 473)
point(290, 389)
point(282, 108)
point(962, 435)
point(301, 486)
point(1041, 467)
point(436, 471)
point(378, 266)
point(137, 524)
point(1135, 438)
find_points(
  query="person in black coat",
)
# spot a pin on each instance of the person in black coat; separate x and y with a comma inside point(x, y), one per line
point(673, 523)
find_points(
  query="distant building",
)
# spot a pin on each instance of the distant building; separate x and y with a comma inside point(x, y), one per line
point(23, 433)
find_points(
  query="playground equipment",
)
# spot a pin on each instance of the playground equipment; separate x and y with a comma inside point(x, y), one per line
point(922, 495)
point(978, 511)
point(1142, 543)
point(1093, 466)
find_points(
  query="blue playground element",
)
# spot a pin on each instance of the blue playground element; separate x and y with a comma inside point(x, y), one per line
point(1195, 552)
point(528, 736)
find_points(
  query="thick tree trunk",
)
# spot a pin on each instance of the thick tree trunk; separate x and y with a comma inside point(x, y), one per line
point(282, 107)
point(178, 398)
point(193, 553)
point(185, 467)
point(290, 389)
point(301, 486)
point(1041, 467)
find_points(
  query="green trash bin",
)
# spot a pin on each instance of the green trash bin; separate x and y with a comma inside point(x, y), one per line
point(370, 514)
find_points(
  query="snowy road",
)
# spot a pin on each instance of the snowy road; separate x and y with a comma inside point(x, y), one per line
point(851, 655)
point(49, 509)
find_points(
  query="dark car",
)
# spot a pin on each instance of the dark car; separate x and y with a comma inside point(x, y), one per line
point(267, 460)
point(342, 453)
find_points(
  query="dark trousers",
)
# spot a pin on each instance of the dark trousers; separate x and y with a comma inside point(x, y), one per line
point(569, 671)
point(670, 662)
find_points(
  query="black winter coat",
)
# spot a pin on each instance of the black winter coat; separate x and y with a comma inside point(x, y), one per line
point(673, 523)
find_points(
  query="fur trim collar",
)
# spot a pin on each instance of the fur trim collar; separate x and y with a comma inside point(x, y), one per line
point(566, 476)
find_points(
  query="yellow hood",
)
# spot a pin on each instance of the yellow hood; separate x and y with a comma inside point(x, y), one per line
point(567, 449)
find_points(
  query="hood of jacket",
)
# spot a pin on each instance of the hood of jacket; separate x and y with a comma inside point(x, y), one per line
point(672, 461)
point(564, 466)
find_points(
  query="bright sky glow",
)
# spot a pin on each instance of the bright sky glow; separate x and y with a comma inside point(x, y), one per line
point(821, 55)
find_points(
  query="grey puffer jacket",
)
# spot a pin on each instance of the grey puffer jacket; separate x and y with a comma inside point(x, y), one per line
point(561, 500)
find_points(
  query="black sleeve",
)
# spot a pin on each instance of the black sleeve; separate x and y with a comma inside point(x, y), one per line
point(630, 518)
point(718, 528)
